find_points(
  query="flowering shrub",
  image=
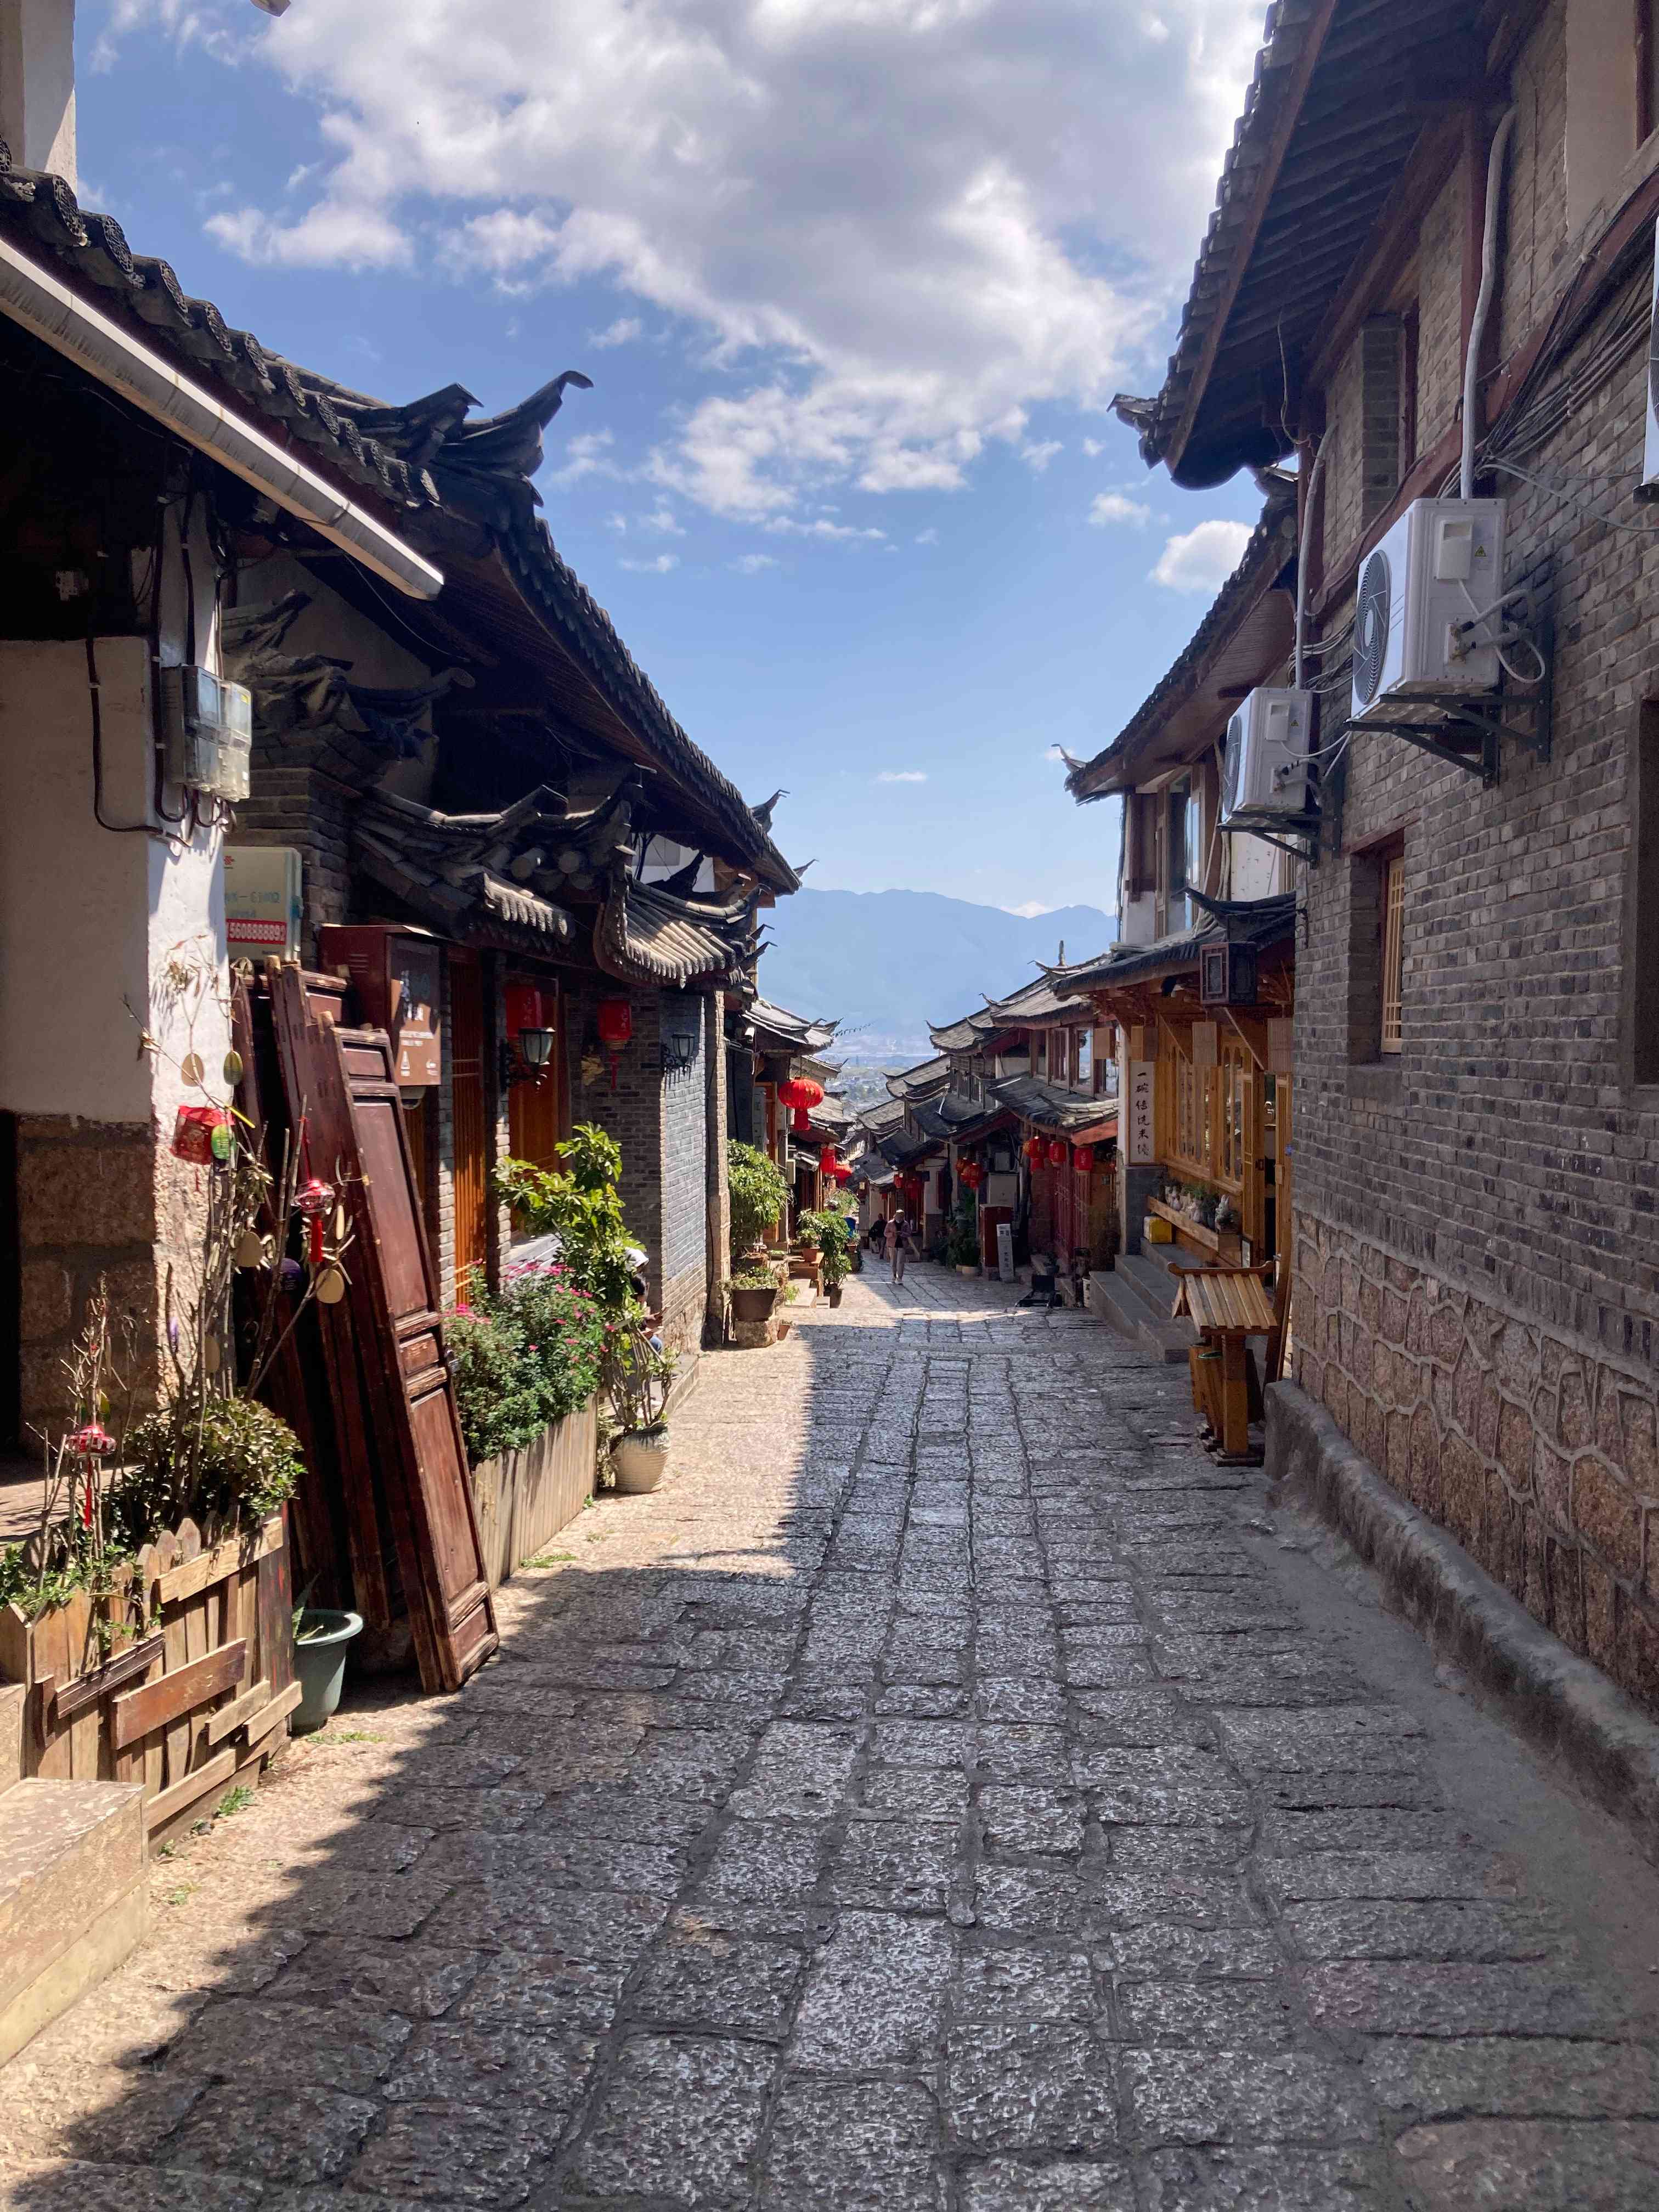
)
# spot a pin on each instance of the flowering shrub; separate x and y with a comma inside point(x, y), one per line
point(522, 1359)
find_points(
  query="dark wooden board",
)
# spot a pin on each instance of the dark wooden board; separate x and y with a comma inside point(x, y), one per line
point(177, 1694)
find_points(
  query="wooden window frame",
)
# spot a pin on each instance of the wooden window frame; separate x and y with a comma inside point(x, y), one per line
point(1391, 918)
point(1641, 933)
point(1645, 31)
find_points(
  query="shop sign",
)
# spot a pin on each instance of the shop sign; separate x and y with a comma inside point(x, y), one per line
point(1141, 1151)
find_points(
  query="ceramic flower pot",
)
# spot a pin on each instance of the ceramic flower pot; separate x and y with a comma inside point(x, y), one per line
point(320, 1658)
point(833, 1294)
point(753, 1302)
point(637, 1459)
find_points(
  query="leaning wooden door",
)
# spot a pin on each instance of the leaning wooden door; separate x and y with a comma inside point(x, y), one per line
point(355, 1115)
point(466, 1076)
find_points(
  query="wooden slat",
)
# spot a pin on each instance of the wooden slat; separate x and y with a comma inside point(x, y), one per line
point(273, 1603)
point(51, 1660)
point(180, 1691)
point(72, 1698)
point(132, 1762)
point(273, 1714)
point(183, 1793)
point(223, 1560)
point(226, 1719)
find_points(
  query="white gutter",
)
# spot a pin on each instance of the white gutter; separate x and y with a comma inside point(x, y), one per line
point(41, 304)
point(1483, 303)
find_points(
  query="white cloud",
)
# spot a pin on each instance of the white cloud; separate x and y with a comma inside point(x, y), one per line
point(1037, 456)
point(902, 776)
point(784, 525)
point(661, 519)
point(1094, 447)
point(587, 454)
point(619, 523)
point(1010, 205)
point(927, 537)
point(750, 564)
point(1031, 910)
point(660, 566)
point(1201, 559)
point(1110, 507)
point(622, 331)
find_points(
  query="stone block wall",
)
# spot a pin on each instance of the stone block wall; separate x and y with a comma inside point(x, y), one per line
point(1538, 1455)
point(1477, 1278)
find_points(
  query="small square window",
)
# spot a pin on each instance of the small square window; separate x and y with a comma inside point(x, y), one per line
point(1376, 953)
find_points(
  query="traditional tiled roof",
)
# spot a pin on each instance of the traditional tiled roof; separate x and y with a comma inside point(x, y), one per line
point(1044, 1107)
point(963, 1035)
point(921, 1081)
point(1342, 92)
point(645, 935)
point(460, 488)
point(1035, 1005)
point(1239, 922)
point(436, 864)
point(793, 1032)
point(1245, 635)
point(877, 1119)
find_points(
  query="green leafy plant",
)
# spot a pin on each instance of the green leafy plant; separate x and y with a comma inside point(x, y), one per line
point(638, 1375)
point(496, 1391)
point(962, 1241)
point(759, 1196)
point(580, 1203)
point(523, 1358)
point(826, 1234)
point(222, 1459)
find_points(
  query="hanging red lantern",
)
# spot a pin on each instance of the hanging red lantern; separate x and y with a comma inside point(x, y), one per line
point(201, 1134)
point(801, 1094)
point(92, 1442)
point(524, 1009)
point(312, 1201)
point(972, 1175)
point(1057, 1153)
point(1034, 1149)
point(828, 1160)
point(615, 1025)
point(1083, 1159)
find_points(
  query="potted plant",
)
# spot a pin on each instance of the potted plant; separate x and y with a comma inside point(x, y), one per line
point(826, 1234)
point(962, 1247)
point(752, 1292)
point(320, 1638)
point(638, 1375)
point(759, 1196)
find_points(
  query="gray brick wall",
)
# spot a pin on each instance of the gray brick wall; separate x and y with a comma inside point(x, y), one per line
point(1477, 1293)
point(684, 1144)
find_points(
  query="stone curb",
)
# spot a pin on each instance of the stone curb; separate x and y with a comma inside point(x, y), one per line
point(1566, 1706)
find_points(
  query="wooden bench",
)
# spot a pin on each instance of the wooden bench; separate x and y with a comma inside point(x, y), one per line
point(1225, 1305)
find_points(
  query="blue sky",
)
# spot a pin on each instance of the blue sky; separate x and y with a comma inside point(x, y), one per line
point(854, 280)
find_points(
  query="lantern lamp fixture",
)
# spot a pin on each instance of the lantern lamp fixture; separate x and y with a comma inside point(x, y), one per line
point(679, 1050)
point(526, 1056)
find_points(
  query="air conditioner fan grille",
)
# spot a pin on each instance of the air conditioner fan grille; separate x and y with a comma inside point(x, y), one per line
point(1370, 632)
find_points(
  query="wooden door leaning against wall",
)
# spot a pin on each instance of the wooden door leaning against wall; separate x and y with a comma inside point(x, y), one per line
point(469, 1115)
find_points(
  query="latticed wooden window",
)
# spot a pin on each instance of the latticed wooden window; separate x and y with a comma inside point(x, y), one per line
point(1235, 1074)
point(1188, 1136)
point(1393, 958)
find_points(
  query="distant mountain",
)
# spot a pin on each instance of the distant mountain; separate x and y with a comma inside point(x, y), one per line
point(887, 963)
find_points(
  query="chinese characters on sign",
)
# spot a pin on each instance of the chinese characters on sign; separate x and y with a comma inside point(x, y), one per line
point(1142, 1148)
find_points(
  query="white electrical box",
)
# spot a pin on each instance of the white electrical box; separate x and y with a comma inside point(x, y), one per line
point(208, 732)
point(1265, 765)
point(1438, 571)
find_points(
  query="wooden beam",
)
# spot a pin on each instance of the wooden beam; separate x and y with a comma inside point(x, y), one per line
point(178, 1693)
point(1388, 252)
point(1272, 160)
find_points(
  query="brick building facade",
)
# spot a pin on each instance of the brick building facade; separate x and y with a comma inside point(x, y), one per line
point(1476, 1293)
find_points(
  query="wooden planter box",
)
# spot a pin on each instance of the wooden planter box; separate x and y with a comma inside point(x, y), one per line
point(525, 1497)
point(190, 1705)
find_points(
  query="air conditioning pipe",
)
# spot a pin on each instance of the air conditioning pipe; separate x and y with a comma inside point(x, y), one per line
point(1314, 476)
point(1482, 298)
point(30, 296)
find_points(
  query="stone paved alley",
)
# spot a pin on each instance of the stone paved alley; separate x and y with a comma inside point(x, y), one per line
point(949, 1790)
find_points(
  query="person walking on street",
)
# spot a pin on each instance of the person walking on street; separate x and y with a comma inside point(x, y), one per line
point(898, 1236)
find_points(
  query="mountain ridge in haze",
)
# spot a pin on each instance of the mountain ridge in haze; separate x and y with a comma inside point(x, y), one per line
point(888, 964)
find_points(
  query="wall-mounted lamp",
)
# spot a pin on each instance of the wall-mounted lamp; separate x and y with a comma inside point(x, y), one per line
point(679, 1050)
point(526, 1056)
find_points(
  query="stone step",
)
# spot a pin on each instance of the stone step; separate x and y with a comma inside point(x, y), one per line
point(73, 1896)
point(1168, 1340)
point(13, 1697)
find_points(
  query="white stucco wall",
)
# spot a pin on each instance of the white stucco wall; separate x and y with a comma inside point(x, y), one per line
point(87, 915)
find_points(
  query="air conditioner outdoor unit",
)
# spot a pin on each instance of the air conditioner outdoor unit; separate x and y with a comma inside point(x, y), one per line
point(207, 734)
point(1439, 568)
point(1264, 771)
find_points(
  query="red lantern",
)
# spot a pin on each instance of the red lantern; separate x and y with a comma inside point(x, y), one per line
point(972, 1175)
point(92, 1442)
point(1034, 1149)
point(828, 1161)
point(801, 1094)
point(524, 1009)
point(1057, 1153)
point(312, 1201)
point(616, 1022)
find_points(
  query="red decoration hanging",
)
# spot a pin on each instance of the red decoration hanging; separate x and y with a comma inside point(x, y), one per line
point(801, 1094)
point(1057, 1153)
point(616, 1018)
point(312, 1201)
point(524, 1009)
point(194, 1134)
point(92, 1442)
point(1034, 1149)
point(971, 1174)
point(828, 1160)
point(1083, 1159)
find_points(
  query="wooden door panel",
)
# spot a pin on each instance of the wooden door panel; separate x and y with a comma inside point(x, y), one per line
point(390, 1311)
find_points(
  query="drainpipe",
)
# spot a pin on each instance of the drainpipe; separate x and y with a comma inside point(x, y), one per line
point(1483, 299)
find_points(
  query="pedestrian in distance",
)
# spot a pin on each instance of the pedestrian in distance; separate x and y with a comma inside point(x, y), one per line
point(898, 1242)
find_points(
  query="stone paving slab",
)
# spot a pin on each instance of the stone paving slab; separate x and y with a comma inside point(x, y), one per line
point(940, 1794)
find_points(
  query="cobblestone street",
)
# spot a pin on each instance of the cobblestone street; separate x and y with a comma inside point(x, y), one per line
point(950, 1790)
